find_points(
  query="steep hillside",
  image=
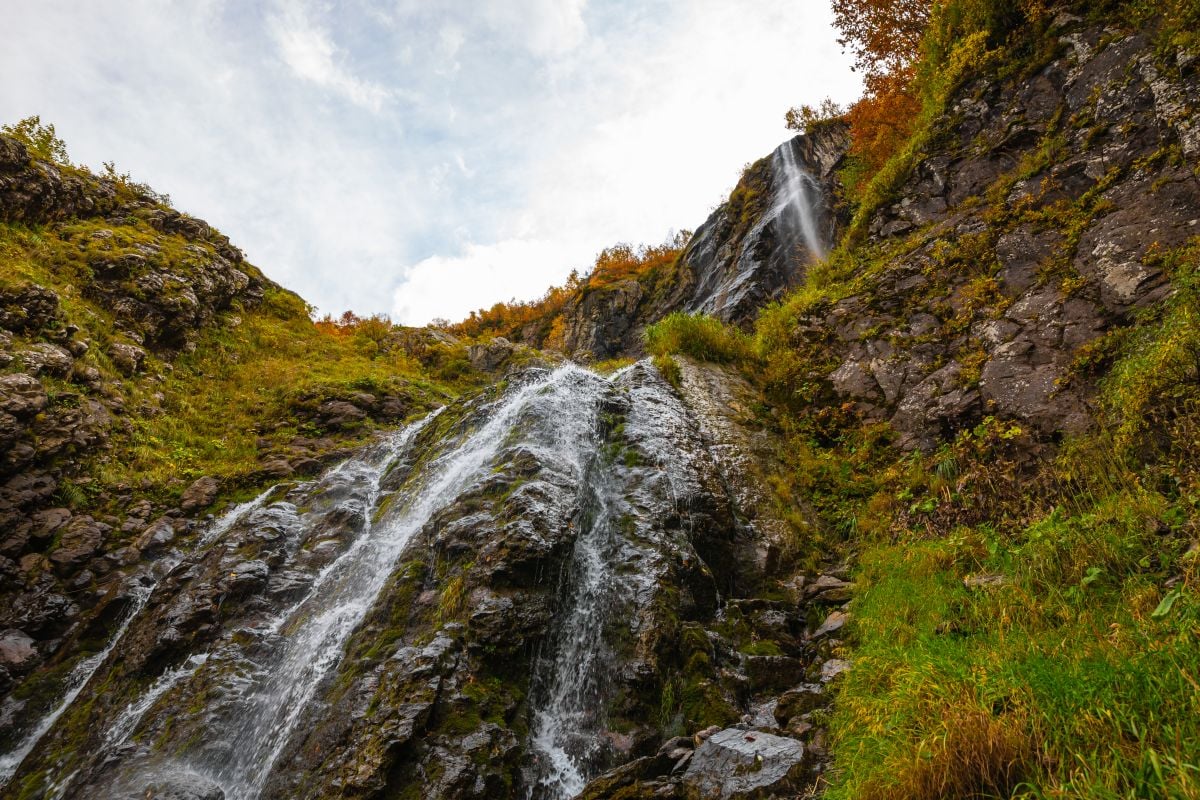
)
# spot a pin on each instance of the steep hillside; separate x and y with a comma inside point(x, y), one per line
point(784, 214)
point(989, 392)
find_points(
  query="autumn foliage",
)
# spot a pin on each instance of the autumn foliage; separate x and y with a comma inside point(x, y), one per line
point(541, 322)
point(884, 35)
point(885, 38)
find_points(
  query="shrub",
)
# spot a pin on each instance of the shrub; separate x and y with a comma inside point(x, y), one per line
point(42, 140)
point(699, 336)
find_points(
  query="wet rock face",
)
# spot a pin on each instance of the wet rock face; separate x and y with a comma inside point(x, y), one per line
point(745, 764)
point(502, 598)
point(604, 323)
point(982, 303)
point(181, 787)
point(754, 248)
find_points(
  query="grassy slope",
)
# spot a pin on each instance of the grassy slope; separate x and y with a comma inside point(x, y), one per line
point(240, 392)
point(1027, 620)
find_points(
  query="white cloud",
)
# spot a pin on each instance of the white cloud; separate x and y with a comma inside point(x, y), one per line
point(422, 158)
point(310, 53)
point(544, 27)
point(448, 287)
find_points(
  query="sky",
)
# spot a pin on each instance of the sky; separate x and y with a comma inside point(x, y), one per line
point(424, 158)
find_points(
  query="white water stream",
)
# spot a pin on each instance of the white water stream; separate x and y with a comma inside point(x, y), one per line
point(798, 200)
point(84, 670)
point(555, 417)
point(314, 632)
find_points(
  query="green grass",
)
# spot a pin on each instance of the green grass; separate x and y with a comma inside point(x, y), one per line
point(1073, 671)
point(698, 335)
point(245, 384)
point(1065, 680)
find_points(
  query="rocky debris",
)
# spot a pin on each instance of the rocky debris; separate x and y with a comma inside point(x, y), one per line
point(735, 763)
point(340, 414)
point(44, 358)
point(17, 652)
point(984, 581)
point(828, 590)
point(833, 668)
point(185, 786)
point(127, 357)
point(21, 395)
point(156, 536)
point(81, 537)
point(200, 494)
point(28, 307)
point(798, 702)
point(346, 411)
point(832, 624)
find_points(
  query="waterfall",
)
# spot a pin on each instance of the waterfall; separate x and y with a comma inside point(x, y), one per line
point(268, 673)
point(567, 724)
point(611, 446)
point(319, 626)
point(613, 570)
point(798, 200)
point(83, 672)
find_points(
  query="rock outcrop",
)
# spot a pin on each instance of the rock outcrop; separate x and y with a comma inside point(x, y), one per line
point(565, 584)
point(754, 248)
point(1028, 236)
point(455, 663)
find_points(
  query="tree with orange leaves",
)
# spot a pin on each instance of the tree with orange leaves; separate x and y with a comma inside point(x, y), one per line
point(884, 35)
point(885, 38)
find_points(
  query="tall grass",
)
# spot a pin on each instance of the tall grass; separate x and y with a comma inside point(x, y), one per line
point(699, 336)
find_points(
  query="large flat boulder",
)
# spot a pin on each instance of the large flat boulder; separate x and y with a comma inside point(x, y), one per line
point(736, 763)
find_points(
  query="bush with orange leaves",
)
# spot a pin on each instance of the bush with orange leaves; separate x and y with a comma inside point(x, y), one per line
point(540, 323)
point(370, 332)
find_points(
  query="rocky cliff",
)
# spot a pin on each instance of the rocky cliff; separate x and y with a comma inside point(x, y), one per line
point(138, 385)
point(1032, 233)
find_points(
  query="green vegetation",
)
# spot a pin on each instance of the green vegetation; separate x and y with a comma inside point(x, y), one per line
point(699, 336)
point(1024, 626)
point(246, 381)
point(42, 140)
point(213, 396)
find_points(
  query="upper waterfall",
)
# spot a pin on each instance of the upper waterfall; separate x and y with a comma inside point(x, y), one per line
point(799, 204)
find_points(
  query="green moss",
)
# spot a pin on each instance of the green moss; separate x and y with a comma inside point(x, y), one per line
point(762, 647)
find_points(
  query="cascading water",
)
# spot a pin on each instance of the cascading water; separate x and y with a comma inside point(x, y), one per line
point(334, 545)
point(614, 567)
point(79, 677)
point(566, 727)
point(276, 666)
point(798, 200)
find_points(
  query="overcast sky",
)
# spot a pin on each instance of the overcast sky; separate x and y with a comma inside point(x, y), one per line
point(423, 158)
